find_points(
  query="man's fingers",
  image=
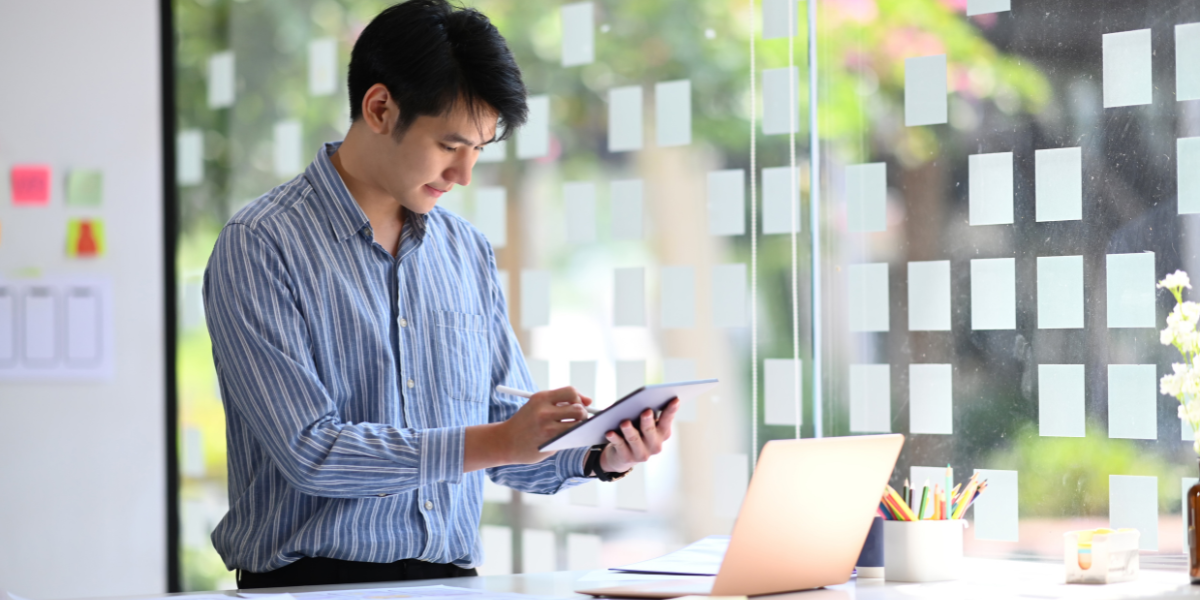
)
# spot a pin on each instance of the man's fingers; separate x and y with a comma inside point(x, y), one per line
point(558, 412)
point(649, 431)
point(666, 419)
point(636, 446)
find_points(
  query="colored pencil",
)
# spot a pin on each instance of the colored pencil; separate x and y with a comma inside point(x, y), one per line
point(906, 492)
point(947, 505)
point(904, 511)
point(968, 495)
point(924, 500)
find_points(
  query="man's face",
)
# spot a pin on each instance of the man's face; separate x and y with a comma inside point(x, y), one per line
point(435, 154)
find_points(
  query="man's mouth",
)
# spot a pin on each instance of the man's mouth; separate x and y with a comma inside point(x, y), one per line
point(436, 192)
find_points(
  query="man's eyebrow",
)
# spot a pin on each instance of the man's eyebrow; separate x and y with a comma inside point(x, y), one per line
point(454, 137)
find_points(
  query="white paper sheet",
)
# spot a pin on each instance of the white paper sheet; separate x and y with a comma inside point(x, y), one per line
point(1060, 292)
point(1187, 56)
point(990, 188)
point(780, 200)
point(931, 399)
point(322, 67)
point(84, 327)
point(221, 80)
point(631, 375)
point(583, 377)
point(1187, 161)
point(929, 295)
point(729, 295)
point(871, 398)
point(533, 139)
point(579, 198)
point(681, 369)
point(995, 510)
point(491, 215)
point(631, 491)
point(535, 298)
point(678, 297)
point(629, 297)
point(538, 554)
point(673, 112)
point(583, 551)
point(781, 100)
point(539, 370)
point(1131, 289)
point(1058, 184)
point(189, 157)
point(925, 90)
point(1061, 400)
point(993, 293)
point(1132, 402)
point(982, 7)
point(288, 148)
point(625, 131)
point(780, 397)
point(1127, 74)
point(493, 152)
point(727, 202)
point(731, 476)
point(497, 550)
point(776, 20)
point(867, 289)
point(1133, 502)
point(866, 197)
point(56, 328)
point(702, 557)
point(578, 34)
point(625, 199)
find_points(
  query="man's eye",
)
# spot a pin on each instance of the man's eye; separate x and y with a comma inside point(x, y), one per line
point(448, 148)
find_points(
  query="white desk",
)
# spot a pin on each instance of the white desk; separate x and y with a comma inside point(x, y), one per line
point(981, 579)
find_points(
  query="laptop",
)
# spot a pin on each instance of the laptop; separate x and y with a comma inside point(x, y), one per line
point(802, 524)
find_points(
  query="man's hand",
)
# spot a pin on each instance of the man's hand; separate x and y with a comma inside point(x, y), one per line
point(632, 447)
point(516, 440)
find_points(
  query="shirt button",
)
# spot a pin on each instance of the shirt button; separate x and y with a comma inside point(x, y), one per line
point(411, 383)
point(403, 322)
point(428, 505)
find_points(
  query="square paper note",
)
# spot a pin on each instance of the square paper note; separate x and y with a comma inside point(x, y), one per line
point(867, 288)
point(929, 296)
point(1060, 292)
point(1059, 184)
point(990, 188)
point(925, 90)
point(994, 293)
point(1131, 290)
point(871, 398)
point(866, 197)
point(1127, 76)
point(1060, 400)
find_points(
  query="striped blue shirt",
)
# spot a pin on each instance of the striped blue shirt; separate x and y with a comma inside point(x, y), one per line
point(349, 376)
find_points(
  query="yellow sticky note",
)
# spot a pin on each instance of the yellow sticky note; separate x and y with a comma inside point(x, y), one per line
point(85, 238)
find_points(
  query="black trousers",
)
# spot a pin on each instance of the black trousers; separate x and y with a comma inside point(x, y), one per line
point(326, 571)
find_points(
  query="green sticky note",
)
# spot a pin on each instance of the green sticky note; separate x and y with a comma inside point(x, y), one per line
point(85, 187)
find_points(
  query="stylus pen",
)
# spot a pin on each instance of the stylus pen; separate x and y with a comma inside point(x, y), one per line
point(504, 389)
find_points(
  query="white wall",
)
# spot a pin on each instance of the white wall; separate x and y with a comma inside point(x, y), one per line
point(82, 482)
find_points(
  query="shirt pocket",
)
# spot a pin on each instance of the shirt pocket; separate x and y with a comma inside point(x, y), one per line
point(463, 355)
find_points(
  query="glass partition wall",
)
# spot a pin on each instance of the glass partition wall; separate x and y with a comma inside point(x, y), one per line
point(998, 189)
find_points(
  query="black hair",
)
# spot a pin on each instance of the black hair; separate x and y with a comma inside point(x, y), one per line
point(432, 56)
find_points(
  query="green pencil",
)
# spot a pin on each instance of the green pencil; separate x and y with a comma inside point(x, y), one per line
point(924, 500)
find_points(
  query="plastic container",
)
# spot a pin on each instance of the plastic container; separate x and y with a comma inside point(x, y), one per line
point(1101, 555)
point(919, 551)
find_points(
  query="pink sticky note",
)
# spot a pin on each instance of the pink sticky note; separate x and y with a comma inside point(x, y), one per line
point(30, 185)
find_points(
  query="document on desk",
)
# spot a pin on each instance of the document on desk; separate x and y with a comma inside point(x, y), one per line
point(698, 558)
point(419, 591)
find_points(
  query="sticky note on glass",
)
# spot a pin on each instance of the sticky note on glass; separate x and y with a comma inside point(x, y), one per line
point(322, 67)
point(996, 510)
point(866, 197)
point(189, 157)
point(678, 297)
point(1187, 151)
point(83, 323)
point(85, 238)
point(539, 371)
point(1132, 402)
point(491, 215)
point(930, 399)
point(579, 198)
point(673, 112)
point(289, 152)
point(30, 185)
point(783, 386)
point(994, 293)
point(40, 327)
point(779, 18)
point(221, 86)
point(497, 547)
point(1133, 503)
point(535, 298)
point(625, 119)
point(538, 553)
point(929, 295)
point(871, 398)
point(729, 295)
point(1060, 292)
point(1131, 287)
point(493, 152)
point(533, 139)
point(631, 491)
point(629, 297)
point(990, 188)
point(867, 288)
point(925, 90)
point(681, 369)
point(583, 377)
point(1187, 56)
point(625, 198)
point(983, 7)
point(731, 476)
point(727, 202)
point(918, 475)
point(1059, 184)
point(583, 551)
point(781, 100)
point(578, 34)
point(781, 200)
point(85, 187)
point(1060, 400)
point(1127, 76)
point(631, 375)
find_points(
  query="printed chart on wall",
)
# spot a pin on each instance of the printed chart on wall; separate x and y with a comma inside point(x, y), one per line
point(56, 328)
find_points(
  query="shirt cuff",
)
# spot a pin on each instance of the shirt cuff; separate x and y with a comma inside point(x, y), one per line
point(570, 463)
point(442, 452)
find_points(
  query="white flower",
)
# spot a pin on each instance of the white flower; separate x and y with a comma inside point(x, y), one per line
point(1191, 311)
point(1167, 336)
point(1178, 279)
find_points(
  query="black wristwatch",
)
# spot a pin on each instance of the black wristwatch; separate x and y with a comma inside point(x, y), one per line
point(591, 465)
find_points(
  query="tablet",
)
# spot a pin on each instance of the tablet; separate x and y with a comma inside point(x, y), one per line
point(591, 431)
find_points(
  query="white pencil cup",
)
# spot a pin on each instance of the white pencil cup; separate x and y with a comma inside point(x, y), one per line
point(922, 550)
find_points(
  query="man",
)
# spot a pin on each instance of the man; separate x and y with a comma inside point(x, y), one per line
point(359, 333)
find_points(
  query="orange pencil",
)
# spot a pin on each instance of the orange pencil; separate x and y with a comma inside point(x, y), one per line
point(905, 511)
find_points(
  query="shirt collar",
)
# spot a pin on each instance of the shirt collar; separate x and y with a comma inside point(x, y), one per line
point(346, 217)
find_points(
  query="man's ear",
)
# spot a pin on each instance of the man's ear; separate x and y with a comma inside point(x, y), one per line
point(379, 109)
